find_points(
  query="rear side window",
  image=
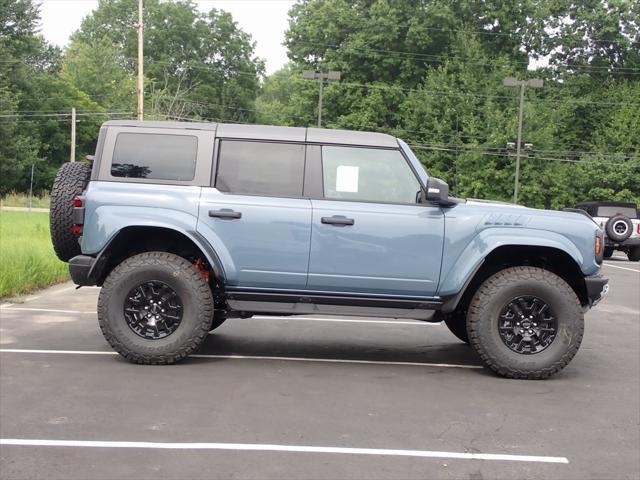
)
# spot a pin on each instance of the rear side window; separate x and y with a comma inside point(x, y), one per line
point(260, 168)
point(155, 156)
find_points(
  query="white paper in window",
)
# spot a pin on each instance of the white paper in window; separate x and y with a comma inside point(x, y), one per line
point(347, 179)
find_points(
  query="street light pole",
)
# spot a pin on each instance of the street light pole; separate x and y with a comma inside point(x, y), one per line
point(140, 63)
point(514, 82)
point(331, 75)
point(518, 146)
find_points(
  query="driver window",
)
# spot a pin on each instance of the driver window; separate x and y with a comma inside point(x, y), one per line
point(368, 175)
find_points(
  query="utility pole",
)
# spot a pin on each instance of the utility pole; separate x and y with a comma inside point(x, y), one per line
point(140, 63)
point(31, 187)
point(73, 135)
point(331, 75)
point(514, 82)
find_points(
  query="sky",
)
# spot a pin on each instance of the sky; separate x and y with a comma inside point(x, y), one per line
point(265, 20)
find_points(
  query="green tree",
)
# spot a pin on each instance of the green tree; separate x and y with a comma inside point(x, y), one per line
point(203, 60)
point(97, 68)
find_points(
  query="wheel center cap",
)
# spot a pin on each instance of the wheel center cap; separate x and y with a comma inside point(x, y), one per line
point(526, 324)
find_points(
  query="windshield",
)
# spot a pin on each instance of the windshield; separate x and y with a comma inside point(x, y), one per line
point(606, 211)
point(422, 173)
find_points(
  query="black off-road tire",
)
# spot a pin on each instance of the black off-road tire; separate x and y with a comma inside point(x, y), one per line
point(456, 322)
point(634, 254)
point(500, 289)
point(71, 180)
point(187, 282)
point(617, 220)
point(608, 251)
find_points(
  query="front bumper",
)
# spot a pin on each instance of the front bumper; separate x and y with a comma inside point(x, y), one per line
point(597, 288)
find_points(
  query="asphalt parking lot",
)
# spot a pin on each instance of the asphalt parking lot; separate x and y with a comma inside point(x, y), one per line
point(313, 398)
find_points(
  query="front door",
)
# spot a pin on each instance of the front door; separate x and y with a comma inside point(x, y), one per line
point(255, 217)
point(369, 234)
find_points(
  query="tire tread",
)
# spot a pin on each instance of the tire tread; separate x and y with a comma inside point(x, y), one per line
point(480, 301)
point(203, 293)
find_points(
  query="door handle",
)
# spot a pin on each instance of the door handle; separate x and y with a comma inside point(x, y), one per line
point(337, 220)
point(225, 213)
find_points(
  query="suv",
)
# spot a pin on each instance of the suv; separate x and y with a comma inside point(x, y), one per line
point(187, 224)
point(621, 225)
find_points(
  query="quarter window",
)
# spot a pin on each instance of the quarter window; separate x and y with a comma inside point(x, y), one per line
point(260, 168)
point(368, 175)
point(155, 156)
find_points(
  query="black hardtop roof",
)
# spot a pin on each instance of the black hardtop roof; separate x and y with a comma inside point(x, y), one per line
point(606, 203)
point(271, 132)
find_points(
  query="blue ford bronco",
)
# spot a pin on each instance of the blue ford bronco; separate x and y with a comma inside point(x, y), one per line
point(184, 225)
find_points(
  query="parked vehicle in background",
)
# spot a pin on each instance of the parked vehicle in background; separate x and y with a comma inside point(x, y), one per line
point(621, 223)
point(187, 224)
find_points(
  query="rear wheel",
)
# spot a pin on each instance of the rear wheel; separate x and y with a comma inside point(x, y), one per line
point(525, 322)
point(155, 308)
point(71, 180)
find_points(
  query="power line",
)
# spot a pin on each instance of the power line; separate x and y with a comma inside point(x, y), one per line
point(494, 154)
point(439, 58)
point(19, 115)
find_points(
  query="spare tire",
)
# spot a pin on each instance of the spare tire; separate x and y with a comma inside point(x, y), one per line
point(71, 181)
point(619, 228)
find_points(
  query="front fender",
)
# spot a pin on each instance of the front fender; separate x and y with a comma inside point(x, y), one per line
point(486, 241)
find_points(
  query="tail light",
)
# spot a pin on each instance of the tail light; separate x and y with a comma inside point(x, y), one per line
point(77, 215)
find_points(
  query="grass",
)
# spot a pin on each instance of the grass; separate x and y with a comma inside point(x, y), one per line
point(27, 260)
point(14, 199)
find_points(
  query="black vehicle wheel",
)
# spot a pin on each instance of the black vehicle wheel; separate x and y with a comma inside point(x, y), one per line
point(525, 322)
point(634, 254)
point(456, 322)
point(608, 251)
point(155, 308)
point(619, 228)
point(71, 180)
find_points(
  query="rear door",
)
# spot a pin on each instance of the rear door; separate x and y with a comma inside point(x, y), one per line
point(369, 234)
point(254, 214)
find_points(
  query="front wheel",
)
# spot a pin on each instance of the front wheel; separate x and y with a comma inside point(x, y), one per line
point(155, 308)
point(525, 322)
point(634, 254)
point(608, 251)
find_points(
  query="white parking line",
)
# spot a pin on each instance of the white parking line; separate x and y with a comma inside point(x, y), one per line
point(259, 447)
point(621, 268)
point(252, 357)
point(45, 310)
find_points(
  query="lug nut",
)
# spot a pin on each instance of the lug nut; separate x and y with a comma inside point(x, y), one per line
point(530, 331)
point(518, 324)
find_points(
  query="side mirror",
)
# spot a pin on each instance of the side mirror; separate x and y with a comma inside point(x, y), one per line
point(437, 191)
